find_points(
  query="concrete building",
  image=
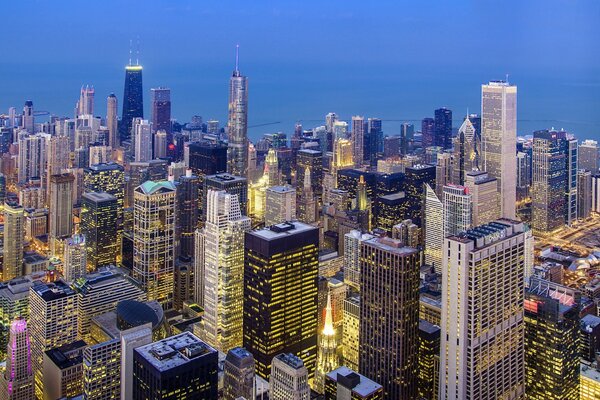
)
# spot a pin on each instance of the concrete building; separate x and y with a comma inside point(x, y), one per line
point(289, 378)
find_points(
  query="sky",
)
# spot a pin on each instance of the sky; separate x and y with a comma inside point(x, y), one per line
point(396, 60)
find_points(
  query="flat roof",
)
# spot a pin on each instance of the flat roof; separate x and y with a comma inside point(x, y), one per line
point(282, 230)
point(391, 245)
point(364, 388)
point(174, 351)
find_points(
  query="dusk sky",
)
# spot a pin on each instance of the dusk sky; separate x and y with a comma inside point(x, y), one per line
point(388, 59)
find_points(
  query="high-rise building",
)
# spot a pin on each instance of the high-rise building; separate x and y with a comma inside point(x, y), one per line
point(28, 118)
point(551, 336)
point(222, 264)
point(584, 194)
point(588, 156)
point(429, 360)
point(442, 128)
point(407, 137)
point(307, 204)
point(327, 357)
point(178, 367)
point(389, 315)
point(352, 241)
point(499, 140)
point(14, 233)
point(207, 158)
point(52, 323)
point(99, 225)
point(229, 183)
point(414, 185)
point(32, 157)
point(345, 384)
point(130, 340)
point(160, 144)
point(482, 338)
point(63, 370)
point(161, 109)
point(282, 253)
point(187, 212)
point(109, 178)
point(523, 175)
point(571, 190)
point(133, 99)
point(288, 378)
point(237, 123)
point(358, 138)
point(85, 105)
point(443, 172)
point(484, 194)
point(74, 258)
point(143, 139)
point(458, 209)
point(433, 229)
point(101, 367)
point(154, 239)
point(466, 151)
point(351, 332)
point(374, 144)
point(61, 207)
point(427, 132)
point(111, 121)
point(280, 205)
point(238, 371)
point(17, 381)
point(313, 160)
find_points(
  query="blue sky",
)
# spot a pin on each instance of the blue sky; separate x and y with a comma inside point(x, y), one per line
point(392, 59)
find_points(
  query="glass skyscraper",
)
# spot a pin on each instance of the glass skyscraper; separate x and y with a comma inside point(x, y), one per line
point(133, 99)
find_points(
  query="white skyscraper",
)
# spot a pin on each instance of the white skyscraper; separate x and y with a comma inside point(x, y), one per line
point(499, 140)
point(433, 229)
point(32, 156)
point(85, 106)
point(224, 270)
point(143, 140)
point(458, 209)
point(289, 378)
point(14, 231)
point(358, 139)
point(483, 331)
point(111, 121)
point(280, 205)
point(352, 241)
point(75, 258)
point(237, 123)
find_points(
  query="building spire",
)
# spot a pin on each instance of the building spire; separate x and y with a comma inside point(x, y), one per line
point(137, 54)
point(328, 328)
point(236, 72)
point(130, 50)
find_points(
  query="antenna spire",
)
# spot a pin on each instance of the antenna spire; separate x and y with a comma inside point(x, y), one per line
point(137, 55)
point(130, 50)
point(507, 78)
point(237, 59)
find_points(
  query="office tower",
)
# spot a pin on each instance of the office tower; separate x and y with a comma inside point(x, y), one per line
point(327, 358)
point(223, 268)
point(549, 188)
point(238, 370)
point(111, 121)
point(131, 339)
point(288, 379)
point(6, 139)
point(32, 157)
point(154, 239)
point(484, 194)
point(414, 185)
point(99, 155)
point(358, 137)
point(391, 146)
point(551, 335)
point(101, 368)
point(133, 99)
point(52, 323)
point(74, 258)
point(442, 128)
point(307, 204)
point(466, 152)
point(100, 227)
point(143, 139)
point(499, 140)
point(588, 156)
point(199, 244)
point(345, 384)
point(589, 382)
point(389, 315)
point(342, 155)
point(60, 207)
point(313, 160)
point(237, 123)
point(57, 152)
point(212, 127)
point(161, 109)
point(471, 335)
point(596, 193)
point(14, 232)
point(280, 205)
point(63, 371)
point(351, 332)
point(14, 302)
point(443, 172)
point(282, 253)
point(187, 212)
point(207, 158)
point(181, 366)
point(229, 183)
point(429, 360)
point(352, 242)
point(433, 229)
point(571, 190)
point(109, 178)
point(17, 381)
point(584, 194)
point(523, 175)
point(427, 132)
point(407, 137)
point(99, 293)
point(458, 209)
point(160, 144)
point(85, 105)
point(28, 119)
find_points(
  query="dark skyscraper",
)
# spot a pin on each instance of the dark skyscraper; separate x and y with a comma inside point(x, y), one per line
point(207, 158)
point(187, 212)
point(161, 109)
point(133, 99)
point(427, 132)
point(375, 140)
point(237, 125)
point(443, 128)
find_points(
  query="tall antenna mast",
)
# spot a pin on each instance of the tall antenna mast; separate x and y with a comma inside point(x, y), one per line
point(130, 50)
point(237, 58)
point(137, 55)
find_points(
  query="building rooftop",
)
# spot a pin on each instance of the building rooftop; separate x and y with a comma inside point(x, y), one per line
point(224, 177)
point(105, 167)
point(484, 235)
point(391, 245)
point(428, 327)
point(309, 151)
point(174, 351)
point(68, 355)
point(52, 291)
point(282, 230)
point(99, 196)
point(152, 187)
point(589, 372)
point(589, 322)
point(291, 360)
point(281, 189)
point(361, 385)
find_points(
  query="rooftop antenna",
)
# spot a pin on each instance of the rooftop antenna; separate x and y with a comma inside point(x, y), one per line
point(507, 78)
point(130, 50)
point(137, 55)
point(237, 58)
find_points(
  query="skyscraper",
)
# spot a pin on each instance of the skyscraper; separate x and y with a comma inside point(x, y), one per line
point(32, 157)
point(466, 150)
point(484, 193)
point(482, 346)
point(433, 229)
point(345, 384)
point(584, 194)
point(133, 99)
point(427, 132)
point(99, 224)
point(28, 119)
point(499, 140)
point(74, 258)
point(187, 212)
point(458, 209)
point(280, 205)
point(111, 121)
point(327, 358)
point(237, 123)
point(161, 109)
point(389, 315)
point(307, 205)
point(289, 378)
point(238, 370)
point(154, 240)
point(588, 156)
point(442, 128)
point(358, 137)
point(443, 172)
point(223, 270)
point(17, 381)
point(60, 208)
point(14, 232)
point(143, 140)
point(85, 105)
point(277, 319)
